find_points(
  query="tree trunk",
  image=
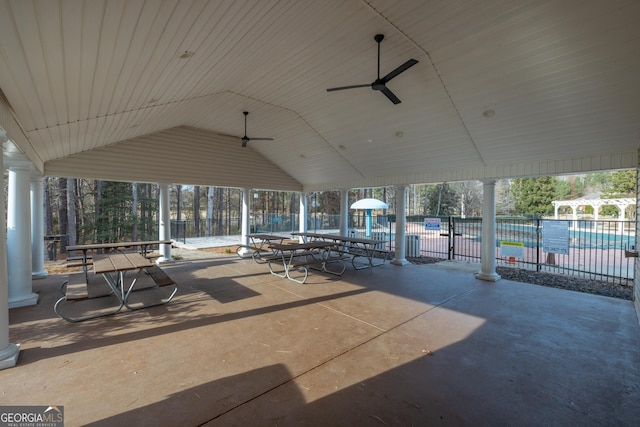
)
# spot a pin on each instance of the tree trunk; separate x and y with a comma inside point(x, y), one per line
point(98, 207)
point(211, 192)
point(48, 213)
point(71, 211)
point(179, 204)
point(134, 211)
point(228, 210)
point(63, 217)
point(219, 211)
point(196, 209)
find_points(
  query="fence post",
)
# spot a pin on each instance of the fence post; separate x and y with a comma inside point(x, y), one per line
point(451, 240)
point(537, 222)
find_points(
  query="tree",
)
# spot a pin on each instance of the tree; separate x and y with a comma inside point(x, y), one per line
point(504, 198)
point(63, 218)
point(563, 190)
point(622, 184)
point(179, 202)
point(134, 210)
point(211, 192)
point(71, 212)
point(98, 212)
point(196, 209)
point(533, 196)
point(442, 200)
point(48, 212)
point(470, 196)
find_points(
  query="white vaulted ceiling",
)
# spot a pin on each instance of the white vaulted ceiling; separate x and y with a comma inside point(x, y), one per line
point(98, 89)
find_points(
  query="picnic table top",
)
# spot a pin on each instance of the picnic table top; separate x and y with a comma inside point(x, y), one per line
point(116, 245)
point(265, 236)
point(119, 262)
point(337, 237)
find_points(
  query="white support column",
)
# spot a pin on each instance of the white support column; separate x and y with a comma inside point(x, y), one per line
point(246, 209)
point(303, 215)
point(488, 246)
point(401, 222)
point(8, 352)
point(37, 228)
point(19, 238)
point(164, 224)
point(344, 212)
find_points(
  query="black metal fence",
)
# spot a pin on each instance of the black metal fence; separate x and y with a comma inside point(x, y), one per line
point(595, 249)
point(267, 223)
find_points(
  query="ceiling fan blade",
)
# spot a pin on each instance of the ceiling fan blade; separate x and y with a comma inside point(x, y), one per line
point(401, 69)
point(260, 139)
point(390, 95)
point(244, 141)
point(348, 87)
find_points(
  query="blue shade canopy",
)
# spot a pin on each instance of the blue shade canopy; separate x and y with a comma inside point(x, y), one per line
point(369, 204)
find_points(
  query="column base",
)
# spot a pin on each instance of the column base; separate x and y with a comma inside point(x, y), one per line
point(163, 260)
point(9, 356)
point(24, 300)
point(489, 277)
point(39, 274)
point(245, 253)
point(397, 261)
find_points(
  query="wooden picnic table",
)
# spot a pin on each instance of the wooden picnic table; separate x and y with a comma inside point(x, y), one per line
point(356, 247)
point(84, 259)
point(113, 267)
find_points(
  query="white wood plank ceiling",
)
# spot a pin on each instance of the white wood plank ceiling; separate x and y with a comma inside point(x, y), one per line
point(502, 89)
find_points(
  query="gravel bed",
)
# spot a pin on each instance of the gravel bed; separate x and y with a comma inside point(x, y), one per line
point(596, 287)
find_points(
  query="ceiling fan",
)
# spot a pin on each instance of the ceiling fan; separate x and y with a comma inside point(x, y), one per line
point(381, 83)
point(245, 138)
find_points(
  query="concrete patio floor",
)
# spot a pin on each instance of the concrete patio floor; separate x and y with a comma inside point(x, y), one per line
point(391, 346)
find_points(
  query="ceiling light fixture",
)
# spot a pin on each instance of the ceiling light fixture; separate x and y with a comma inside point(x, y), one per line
point(399, 134)
point(488, 113)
